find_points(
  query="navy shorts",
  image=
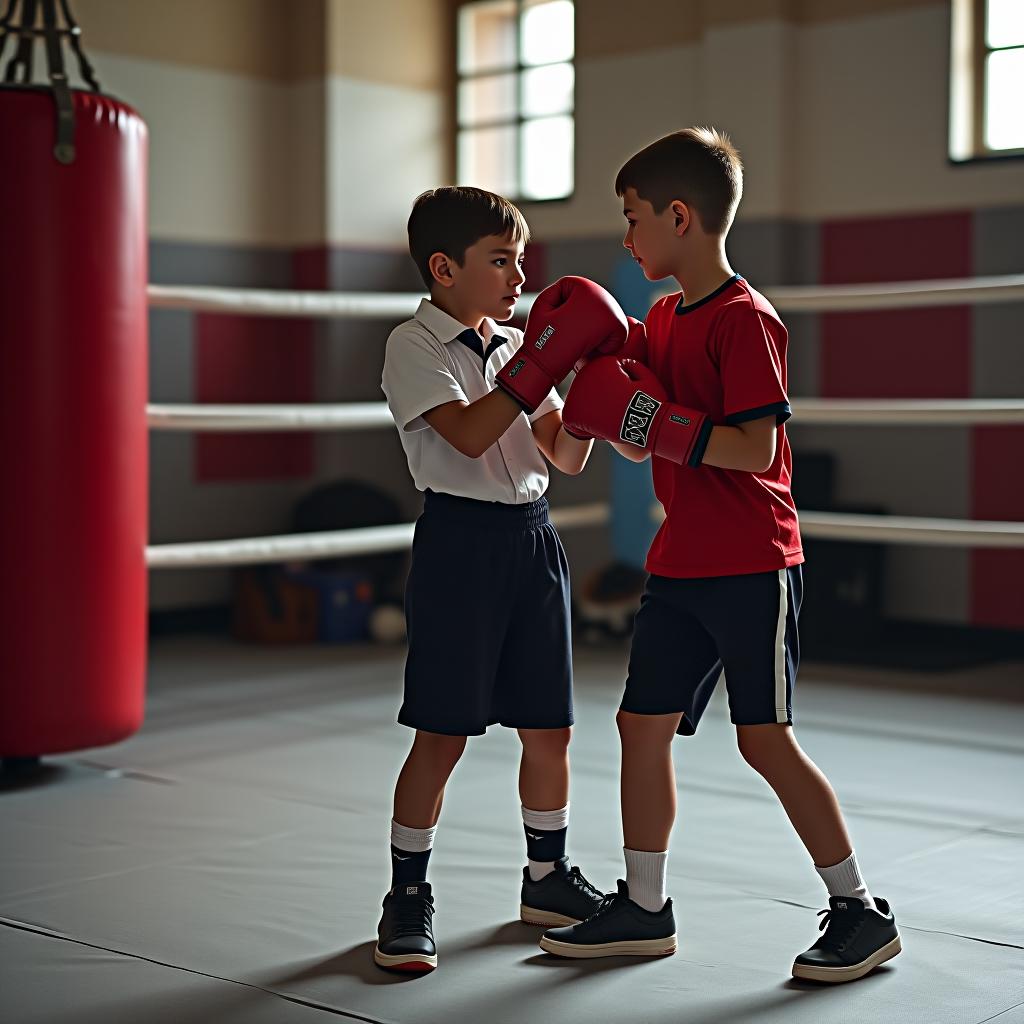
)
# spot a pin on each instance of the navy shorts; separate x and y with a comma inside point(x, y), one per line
point(688, 631)
point(487, 614)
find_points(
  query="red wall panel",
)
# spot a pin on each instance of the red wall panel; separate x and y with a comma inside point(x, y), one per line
point(903, 353)
point(997, 492)
point(253, 360)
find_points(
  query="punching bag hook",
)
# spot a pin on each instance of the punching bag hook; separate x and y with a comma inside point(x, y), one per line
point(19, 22)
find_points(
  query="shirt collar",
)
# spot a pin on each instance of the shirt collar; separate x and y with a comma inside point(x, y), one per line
point(446, 328)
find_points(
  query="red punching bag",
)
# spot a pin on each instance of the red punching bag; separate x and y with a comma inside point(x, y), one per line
point(73, 433)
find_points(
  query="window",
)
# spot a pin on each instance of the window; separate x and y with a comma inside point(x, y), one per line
point(987, 82)
point(516, 84)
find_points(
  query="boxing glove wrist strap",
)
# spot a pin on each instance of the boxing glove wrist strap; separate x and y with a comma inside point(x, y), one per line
point(526, 382)
point(683, 435)
point(669, 430)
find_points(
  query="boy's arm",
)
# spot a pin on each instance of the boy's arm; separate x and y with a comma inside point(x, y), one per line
point(562, 450)
point(472, 427)
point(749, 447)
point(622, 401)
point(631, 452)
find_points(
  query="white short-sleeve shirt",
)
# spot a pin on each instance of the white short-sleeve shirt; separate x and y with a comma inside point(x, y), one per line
point(426, 364)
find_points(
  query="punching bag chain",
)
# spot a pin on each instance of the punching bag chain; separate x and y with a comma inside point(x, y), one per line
point(19, 22)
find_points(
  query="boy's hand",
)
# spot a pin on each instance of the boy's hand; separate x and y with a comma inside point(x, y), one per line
point(569, 319)
point(621, 400)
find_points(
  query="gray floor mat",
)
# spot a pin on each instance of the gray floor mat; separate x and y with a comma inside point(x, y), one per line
point(231, 854)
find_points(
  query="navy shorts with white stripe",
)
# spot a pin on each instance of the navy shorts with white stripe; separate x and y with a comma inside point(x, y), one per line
point(688, 631)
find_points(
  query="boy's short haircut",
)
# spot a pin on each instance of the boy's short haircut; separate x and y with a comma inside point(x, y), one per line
point(452, 218)
point(699, 166)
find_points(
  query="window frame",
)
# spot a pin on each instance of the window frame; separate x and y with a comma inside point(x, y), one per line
point(518, 69)
point(969, 56)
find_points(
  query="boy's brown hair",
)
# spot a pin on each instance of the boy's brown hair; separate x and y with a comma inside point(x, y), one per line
point(699, 166)
point(452, 218)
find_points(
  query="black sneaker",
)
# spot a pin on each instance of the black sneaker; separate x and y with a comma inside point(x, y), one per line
point(619, 927)
point(856, 941)
point(562, 896)
point(405, 938)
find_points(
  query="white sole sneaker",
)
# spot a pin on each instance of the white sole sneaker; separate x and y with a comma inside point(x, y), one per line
point(630, 947)
point(547, 918)
point(854, 971)
point(413, 962)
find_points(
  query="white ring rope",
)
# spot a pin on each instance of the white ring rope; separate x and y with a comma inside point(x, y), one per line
point(787, 299)
point(349, 416)
point(367, 540)
point(976, 533)
point(845, 298)
point(926, 412)
point(330, 544)
point(262, 302)
point(369, 415)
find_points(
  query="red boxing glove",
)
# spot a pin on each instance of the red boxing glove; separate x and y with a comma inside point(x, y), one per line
point(621, 400)
point(569, 319)
point(635, 347)
point(636, 343)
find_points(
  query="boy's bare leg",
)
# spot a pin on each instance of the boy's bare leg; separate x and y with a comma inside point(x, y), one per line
point(856, 941)
point(553, 892)
point(642, 924)
point(648, 784)
point(420, 787)
point(405, 938)
point(544, 768)
point(806, 795)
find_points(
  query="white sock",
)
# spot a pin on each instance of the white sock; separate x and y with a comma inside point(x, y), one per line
point(843, 879)
point(645, 878)
point(544, 821)
point(413, 840)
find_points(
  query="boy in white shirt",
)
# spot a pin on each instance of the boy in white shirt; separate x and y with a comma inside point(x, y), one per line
point(487, 601)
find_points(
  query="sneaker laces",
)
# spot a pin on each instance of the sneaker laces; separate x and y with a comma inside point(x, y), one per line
point(839, 927)
point(608, 900)
point(575, 878)
point(411, 916)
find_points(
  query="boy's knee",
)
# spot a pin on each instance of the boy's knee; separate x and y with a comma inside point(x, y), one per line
point(751, 752)
point(551, 743)
point(628, 724)
point(761, 745)
point(438, 750)
point(645, 729)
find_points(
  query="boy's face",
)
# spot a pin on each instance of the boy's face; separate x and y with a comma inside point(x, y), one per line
point(491, 277)
point(651, 238)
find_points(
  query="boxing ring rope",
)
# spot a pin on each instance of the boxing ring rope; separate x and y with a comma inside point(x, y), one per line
point(233, 418)
point(371, 415)
point(367, 415)
point(328, 544)
point(832, 298)
point(373, 539)
point(931, 532)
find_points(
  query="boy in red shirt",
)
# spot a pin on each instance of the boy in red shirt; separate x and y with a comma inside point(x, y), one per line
point(701, 389)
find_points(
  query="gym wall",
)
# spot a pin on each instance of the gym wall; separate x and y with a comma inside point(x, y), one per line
point(288, 141)
point(840, 112)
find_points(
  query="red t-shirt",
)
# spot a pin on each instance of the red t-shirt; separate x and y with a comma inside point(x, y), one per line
point(725, 356)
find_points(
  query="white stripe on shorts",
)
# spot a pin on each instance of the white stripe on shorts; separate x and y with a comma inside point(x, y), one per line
point(780, 649)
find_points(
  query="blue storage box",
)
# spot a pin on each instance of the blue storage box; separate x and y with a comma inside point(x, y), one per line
point(344, 603)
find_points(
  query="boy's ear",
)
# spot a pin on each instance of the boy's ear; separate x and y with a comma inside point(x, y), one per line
point(681, 215)
point(441, 269)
